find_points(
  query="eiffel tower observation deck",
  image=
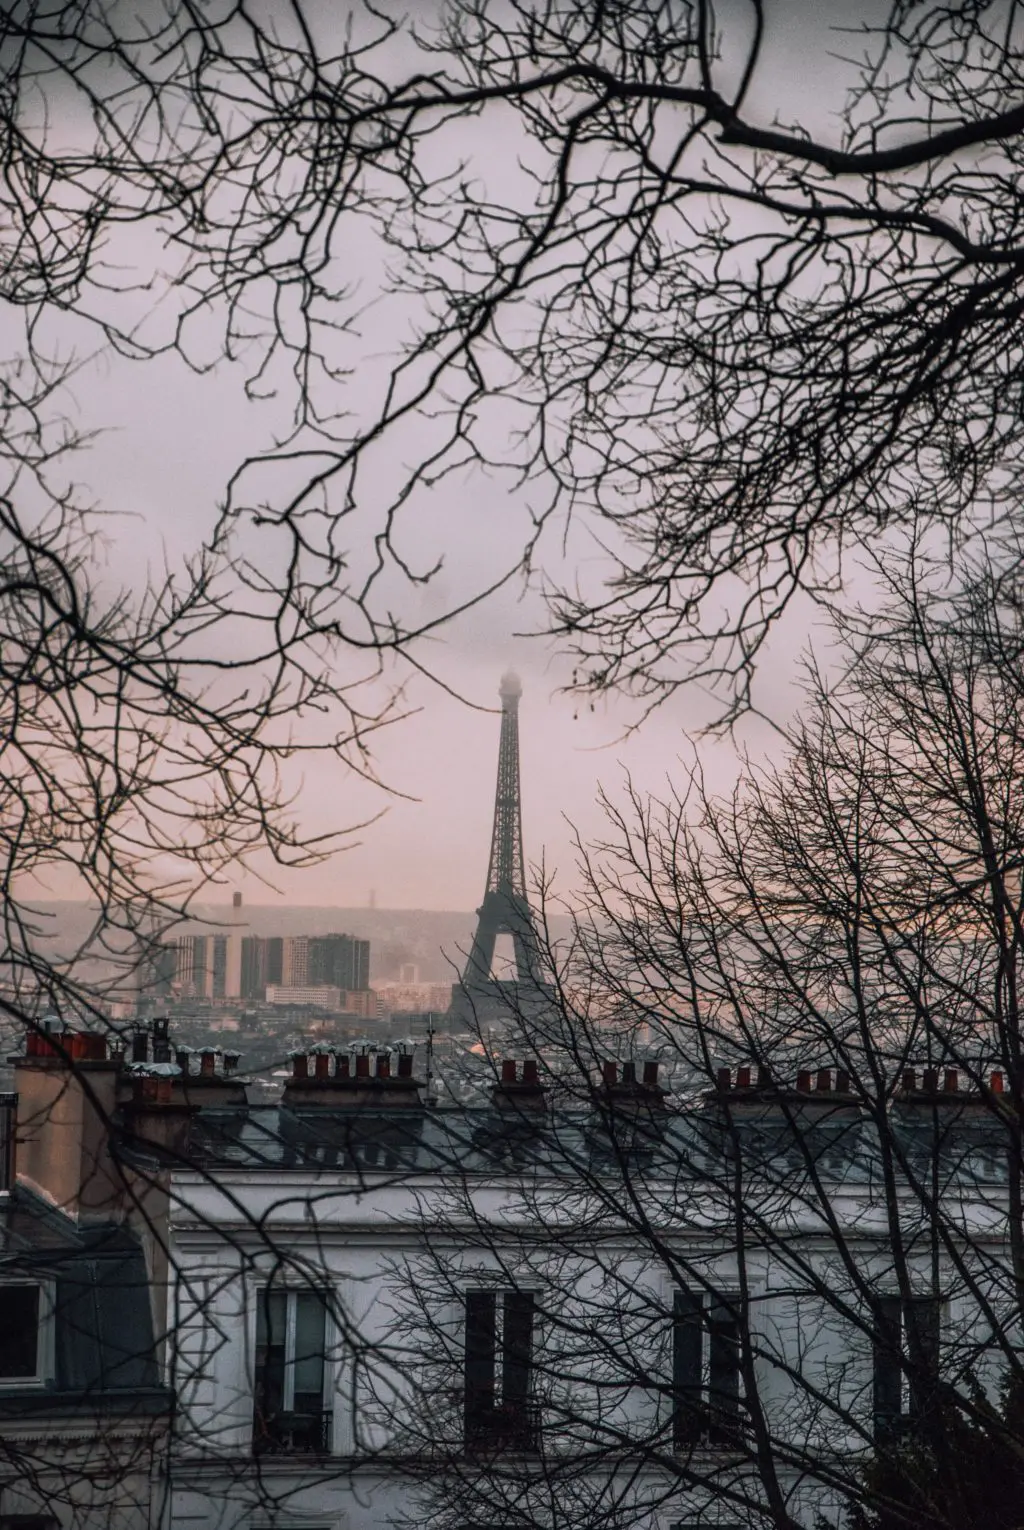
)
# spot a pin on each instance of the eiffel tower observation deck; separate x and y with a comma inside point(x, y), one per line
point(482, 997)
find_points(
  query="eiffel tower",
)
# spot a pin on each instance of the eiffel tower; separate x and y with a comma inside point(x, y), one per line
point(505, 910)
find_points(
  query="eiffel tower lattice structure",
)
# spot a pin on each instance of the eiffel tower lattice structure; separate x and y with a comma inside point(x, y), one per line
point(505, 909)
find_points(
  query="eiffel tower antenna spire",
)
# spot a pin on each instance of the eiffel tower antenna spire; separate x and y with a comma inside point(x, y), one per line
point(505, 909)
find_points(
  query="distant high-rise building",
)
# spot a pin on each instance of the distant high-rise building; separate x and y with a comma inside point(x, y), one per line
point(253, 981)
point(340, 960)
point(295, 962)
point(302, 961)
point(190, 970)
point(163, 965)
point(218, 978)
point(198, 967)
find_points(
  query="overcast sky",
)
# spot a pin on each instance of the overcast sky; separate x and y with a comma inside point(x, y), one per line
point(169, 440)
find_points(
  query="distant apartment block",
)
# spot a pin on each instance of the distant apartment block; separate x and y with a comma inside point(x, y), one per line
point(262, 965)
point(295, 962)
point(402, 998)
point(200, 967)
point(303, 961)
point(305, 996)
point(340, 959)
point(364, 1002)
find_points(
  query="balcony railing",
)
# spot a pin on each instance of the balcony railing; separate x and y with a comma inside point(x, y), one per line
point(505, 1427)
point(291, 1434)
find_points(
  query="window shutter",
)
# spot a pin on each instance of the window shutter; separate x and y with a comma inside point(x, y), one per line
point(310, 1343)
point(271, 1325)
point(922, 1328)
point(888, 1375)
point(517, 1347)
point(723, 1364)
point(687, 1355)
point(479, 1358)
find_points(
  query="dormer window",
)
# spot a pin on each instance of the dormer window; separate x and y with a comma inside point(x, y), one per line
point(24, 1326)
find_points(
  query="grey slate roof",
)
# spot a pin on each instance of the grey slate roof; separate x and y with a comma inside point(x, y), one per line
point(839, 1144)
point(103, 1342)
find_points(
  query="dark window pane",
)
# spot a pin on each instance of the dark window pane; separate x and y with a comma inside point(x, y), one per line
point(688, 1412)
point(310, 1338)
point(480, 1351)
point(19, 1331)
point(517, 1348)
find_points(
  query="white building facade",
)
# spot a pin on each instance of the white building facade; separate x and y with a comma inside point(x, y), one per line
point(617, 1312)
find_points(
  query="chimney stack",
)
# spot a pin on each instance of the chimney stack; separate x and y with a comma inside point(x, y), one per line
point(514, 1093)
point(65, 1104)
point(631, 1093)
point(345, 1078)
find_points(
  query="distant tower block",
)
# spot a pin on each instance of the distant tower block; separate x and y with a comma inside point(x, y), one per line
point(505, 910)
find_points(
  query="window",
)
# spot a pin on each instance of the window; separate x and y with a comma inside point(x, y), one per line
point(705, 1369)
point(906, 1361)
point(499, 1413)
point(23, 1314)
point(291, 1372)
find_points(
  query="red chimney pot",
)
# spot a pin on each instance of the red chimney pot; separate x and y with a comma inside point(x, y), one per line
point(742, 1078)
point(609, 1071)
point(824, 1083)
point(508, 1071)
point(531, 1073)
point(723, 1080)
point(650, 1074)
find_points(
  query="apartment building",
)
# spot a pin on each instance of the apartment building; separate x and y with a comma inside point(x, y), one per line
point(376, 1311)
point(85, 1412)
point(405, 1313)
